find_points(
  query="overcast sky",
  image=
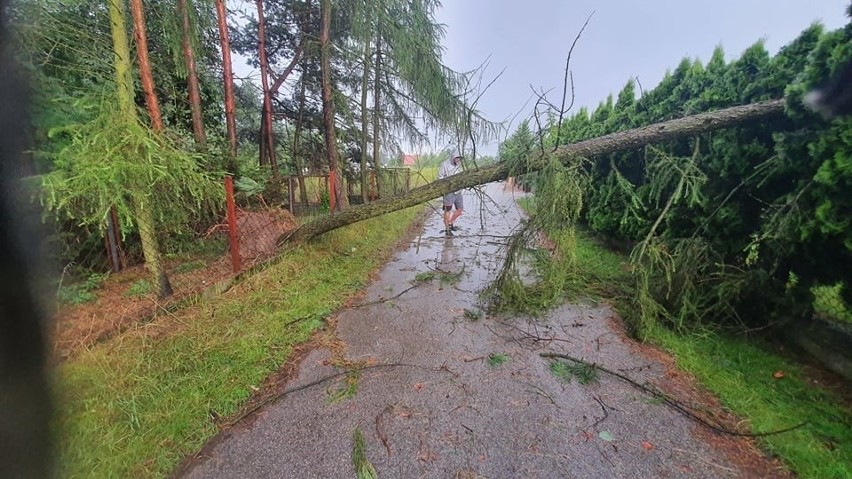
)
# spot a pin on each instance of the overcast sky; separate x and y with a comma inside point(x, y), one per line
point(624, 39)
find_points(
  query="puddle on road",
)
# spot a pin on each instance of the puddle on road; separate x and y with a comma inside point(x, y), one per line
point(476, 253)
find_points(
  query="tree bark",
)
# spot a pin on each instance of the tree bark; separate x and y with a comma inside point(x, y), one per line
point(303, 193)
point(365, 123)
point(145, 65)
point(228, 78)
point(193, 87)
point(143, 215)
point(341, 199)
point(377, 125)
point(121, 60)
point(592, 148)
point(267, 139)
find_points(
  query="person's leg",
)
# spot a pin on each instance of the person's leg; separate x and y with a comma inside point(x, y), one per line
point(447, 208)
point(458, 202)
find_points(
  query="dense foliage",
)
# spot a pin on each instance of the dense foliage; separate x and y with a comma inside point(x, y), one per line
point(388, 85)
point(732, 226)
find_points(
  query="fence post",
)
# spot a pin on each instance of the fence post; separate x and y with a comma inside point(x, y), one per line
point(407, 180)
point(232, 224)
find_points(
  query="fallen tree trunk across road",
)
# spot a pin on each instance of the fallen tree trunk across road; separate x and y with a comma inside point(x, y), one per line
point(623, 140)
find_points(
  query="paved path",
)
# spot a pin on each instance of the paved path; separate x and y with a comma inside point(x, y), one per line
point(443, 411)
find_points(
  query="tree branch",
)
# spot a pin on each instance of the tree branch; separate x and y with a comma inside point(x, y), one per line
point(568, 74)
point(592, 148)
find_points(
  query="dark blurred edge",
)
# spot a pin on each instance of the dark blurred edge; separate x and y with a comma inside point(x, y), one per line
point(25, 406)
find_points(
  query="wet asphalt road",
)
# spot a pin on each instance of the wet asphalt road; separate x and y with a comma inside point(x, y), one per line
point(444, 410)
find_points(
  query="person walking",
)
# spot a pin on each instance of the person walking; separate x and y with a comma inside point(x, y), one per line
point(451, 200)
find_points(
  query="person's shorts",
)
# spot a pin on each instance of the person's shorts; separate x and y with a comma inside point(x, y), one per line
point(453, 199)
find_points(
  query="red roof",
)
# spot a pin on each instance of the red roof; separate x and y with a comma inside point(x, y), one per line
point(409, 160)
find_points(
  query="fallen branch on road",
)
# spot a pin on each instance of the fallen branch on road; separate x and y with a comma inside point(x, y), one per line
point(669, 401)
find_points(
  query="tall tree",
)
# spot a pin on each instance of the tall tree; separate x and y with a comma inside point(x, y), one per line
point(413, 93)
point(341, 200)
point(365, 122)
point(141, 36)
point(377, 115)
point(228, 80)
point(127, 107)
point(267, 137)
point(193, 87)
point(297, 138)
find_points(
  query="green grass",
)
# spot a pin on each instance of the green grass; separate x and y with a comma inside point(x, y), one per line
point(565, 371)
point(346, 389)
point(740, 373)
point(422, 176)
point(363, 467)
point(139, 288)
point(581, 268)
point(605, 274)
point(497, 359)
point(81, 291)
point(190, 266)
point(137, 405)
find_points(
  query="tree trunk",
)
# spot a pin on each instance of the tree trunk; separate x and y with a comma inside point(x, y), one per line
point(341, 199)
point(377, 125)
point(365, 123)
point(141, 37)
point(595, 147)
point(121, 50)
point(228, 77)
point(297, 161)
point(193, 88)
point(124, 80)
point(151, 247)
point(267, 138)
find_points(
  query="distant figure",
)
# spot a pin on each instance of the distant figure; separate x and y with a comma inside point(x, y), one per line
point(509, 184)
point(450, 168)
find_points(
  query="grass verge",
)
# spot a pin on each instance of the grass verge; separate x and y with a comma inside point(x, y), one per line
point(138, 404)
point(741, 373)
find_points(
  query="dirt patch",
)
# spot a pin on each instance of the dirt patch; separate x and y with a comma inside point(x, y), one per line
point(115, 309)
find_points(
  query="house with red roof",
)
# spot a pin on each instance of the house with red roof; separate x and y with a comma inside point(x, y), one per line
point(409, 160)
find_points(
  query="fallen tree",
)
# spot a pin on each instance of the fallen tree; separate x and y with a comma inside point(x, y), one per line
point(624, 140)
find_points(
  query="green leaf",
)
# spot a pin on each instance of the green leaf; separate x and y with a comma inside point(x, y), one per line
point(606, 436)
